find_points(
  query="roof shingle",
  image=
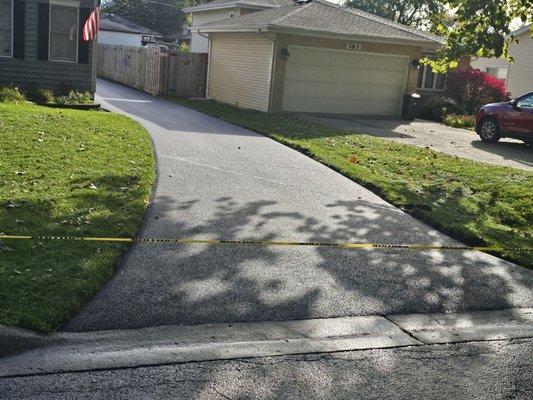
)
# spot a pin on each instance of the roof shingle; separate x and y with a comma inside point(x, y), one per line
point(321, 16)
point(116, 23)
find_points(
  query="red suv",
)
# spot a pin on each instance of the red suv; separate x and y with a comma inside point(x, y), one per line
point(512, 119)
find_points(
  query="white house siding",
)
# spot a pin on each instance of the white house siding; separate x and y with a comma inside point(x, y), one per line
point(520, 79)
point(484, 63)
point(120, 38)
point(240, 67)
point(199, 43)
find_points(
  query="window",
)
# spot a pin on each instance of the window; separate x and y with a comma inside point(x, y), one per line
point(526, 101)
point(6, 28)
point(63, 32)
point(427, 79)
point(497, 72)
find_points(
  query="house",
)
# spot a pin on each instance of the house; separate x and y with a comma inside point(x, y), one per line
point(217, 10)
point(519, 74)
point(116, 30)
point(314, 56)
point(41, 44)
point(184, 34)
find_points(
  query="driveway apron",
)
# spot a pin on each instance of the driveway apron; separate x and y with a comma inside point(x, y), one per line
point(220, 181)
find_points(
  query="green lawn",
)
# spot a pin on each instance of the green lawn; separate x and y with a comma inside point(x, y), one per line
point(477, 203)
point(65, 172)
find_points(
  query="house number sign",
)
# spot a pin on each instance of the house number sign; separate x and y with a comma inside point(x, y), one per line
point(353, 46)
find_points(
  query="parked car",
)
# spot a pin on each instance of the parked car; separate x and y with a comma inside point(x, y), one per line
point(513, 119)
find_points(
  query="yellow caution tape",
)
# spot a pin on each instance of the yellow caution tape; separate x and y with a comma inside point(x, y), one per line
point(270, 243)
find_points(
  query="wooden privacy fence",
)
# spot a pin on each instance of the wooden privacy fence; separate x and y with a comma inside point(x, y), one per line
point(153, 70)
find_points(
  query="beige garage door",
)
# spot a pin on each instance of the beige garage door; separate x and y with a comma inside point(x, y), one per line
point(343, 82)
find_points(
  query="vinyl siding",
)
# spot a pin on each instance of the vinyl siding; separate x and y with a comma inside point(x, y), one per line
point(482, 63)
point(240, 67)
point(199, 43)
point(33, 72)
point(520, 79)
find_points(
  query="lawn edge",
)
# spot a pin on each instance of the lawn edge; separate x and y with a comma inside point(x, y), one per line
point(124, 254)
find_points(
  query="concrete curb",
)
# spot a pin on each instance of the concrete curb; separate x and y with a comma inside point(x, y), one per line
point(467, 327)
point(69, 352)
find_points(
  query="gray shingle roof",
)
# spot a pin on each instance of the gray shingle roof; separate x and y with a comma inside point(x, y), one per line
point(239, 3)
point(116, 23)
point(320, 16)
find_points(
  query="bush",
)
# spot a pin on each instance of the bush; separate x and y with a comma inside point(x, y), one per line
point(75, 97)
point(470, 89)
point(435, 108)
point(11, 95)
point(460, 121)
point(40, 95)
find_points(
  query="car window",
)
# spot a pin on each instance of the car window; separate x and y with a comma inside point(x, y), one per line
point(526, 101)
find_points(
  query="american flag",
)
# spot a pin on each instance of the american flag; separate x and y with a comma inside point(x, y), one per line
point(90, 29)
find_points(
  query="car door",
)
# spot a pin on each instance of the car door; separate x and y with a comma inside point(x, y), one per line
point(524, 117)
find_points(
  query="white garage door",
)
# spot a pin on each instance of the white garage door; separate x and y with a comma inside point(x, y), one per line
point(343, 82)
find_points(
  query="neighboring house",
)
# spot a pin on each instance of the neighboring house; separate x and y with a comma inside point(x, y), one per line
point(41, 44)
point(314, 57)
point(184, 34)
point(217, 10)
point(519, 74)
point(116, 30)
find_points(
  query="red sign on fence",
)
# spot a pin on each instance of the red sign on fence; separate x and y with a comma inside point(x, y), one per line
point(186, 62)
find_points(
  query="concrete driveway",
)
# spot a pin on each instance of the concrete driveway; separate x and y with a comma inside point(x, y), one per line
point(217, 180)
point(457, 142)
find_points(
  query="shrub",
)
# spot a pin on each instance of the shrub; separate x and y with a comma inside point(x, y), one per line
point(184, 47)
point(75, 97)
point(435, 108)
point(460, 121)
point(11, 95)
point(471, 88)
point(40, 95)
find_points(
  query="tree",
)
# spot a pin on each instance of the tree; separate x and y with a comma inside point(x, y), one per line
point(478, 28)
point(162, 16)
point(415, 13)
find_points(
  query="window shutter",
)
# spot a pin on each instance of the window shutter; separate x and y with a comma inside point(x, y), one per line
point(19, 11)
point(43, 33)
point(83, 46)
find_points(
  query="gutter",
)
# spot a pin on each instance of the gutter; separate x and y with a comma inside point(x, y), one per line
point(363, 38)
point(426, 44)
point(231, 29)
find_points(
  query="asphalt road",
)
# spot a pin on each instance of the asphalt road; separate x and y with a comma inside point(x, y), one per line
point(217, 180)
point(483, 370)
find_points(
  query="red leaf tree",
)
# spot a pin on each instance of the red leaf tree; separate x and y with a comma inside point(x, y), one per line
point(471, 88)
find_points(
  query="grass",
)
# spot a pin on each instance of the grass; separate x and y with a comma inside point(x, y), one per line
point(65, 173)
point(460, 121)
point(477, 203)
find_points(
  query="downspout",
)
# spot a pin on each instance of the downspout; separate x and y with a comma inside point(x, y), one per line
point(272, 68)
point(208, 64)
point(202, 35)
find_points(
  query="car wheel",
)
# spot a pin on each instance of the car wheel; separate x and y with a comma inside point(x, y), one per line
point(489, 130)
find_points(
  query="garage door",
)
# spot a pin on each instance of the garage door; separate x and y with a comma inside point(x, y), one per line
point(343, 82)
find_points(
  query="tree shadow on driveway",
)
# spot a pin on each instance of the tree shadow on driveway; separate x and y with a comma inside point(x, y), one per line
point(167, 284)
